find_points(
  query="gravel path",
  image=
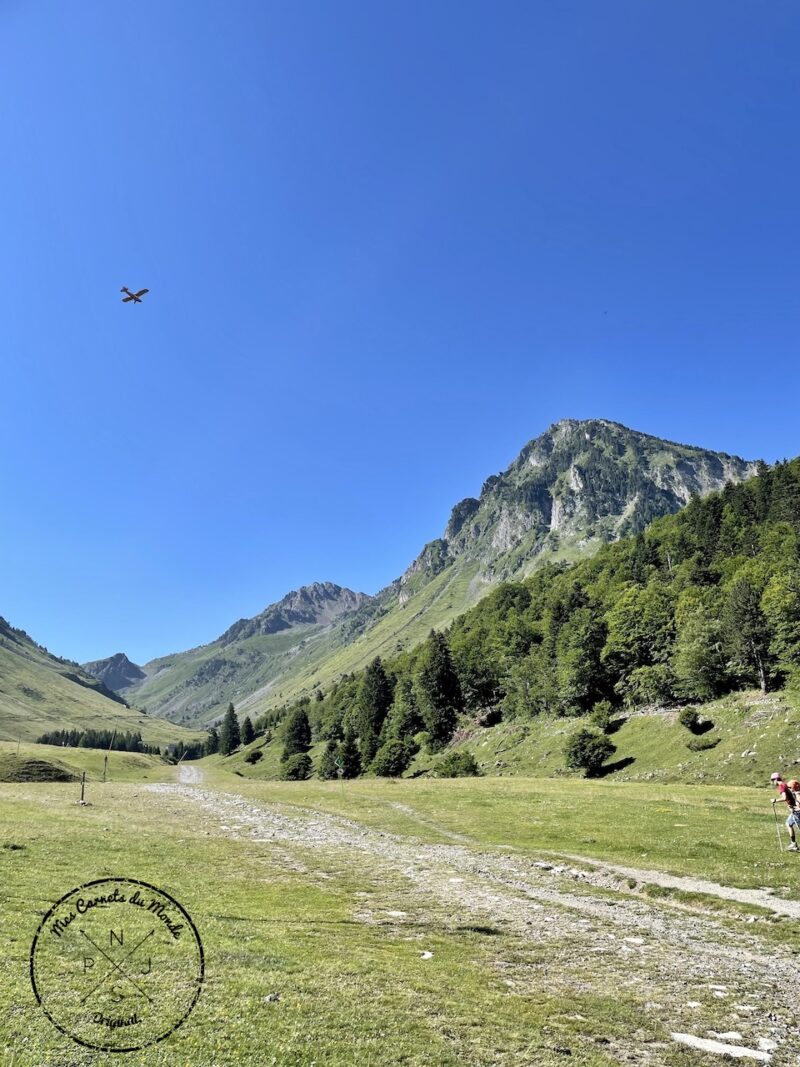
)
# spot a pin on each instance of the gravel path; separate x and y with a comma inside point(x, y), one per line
point(695, 975)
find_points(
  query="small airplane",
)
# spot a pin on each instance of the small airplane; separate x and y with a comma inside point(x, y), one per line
point(135, 297)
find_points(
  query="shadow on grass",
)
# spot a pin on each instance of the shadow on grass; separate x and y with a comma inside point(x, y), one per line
point(612, 768)
point(615, 725)
point(702, 727)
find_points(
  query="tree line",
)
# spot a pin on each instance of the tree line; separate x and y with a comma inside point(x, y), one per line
point(107, 739)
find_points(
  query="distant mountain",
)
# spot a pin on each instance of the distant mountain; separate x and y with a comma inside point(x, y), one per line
point(575, 487)
point(115, 672)
point(314, 605)
point(40, 692)
point(578, 485)
point(196, 686)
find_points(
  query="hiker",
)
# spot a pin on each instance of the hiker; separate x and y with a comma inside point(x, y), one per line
point(786, 793)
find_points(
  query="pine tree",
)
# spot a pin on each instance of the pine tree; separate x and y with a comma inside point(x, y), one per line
point(372, 706)
point(326, 768)
point(404, 719)
point(745, 630)
point(297, 735)
point(229, 736)
point(212, 742)
point(248, 733)
point(441, 700)
point(349, 756)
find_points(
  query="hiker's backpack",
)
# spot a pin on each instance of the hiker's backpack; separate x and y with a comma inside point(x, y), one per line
point(793, 793)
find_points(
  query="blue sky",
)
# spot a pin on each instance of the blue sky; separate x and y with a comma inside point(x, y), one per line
point(387, 244)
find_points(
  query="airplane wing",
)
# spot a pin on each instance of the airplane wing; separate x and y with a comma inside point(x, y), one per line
point(142, 292)
point(127, 299)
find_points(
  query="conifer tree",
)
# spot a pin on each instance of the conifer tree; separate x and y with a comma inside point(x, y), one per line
point(297, 735)
point(229, 735)
point(372, 705)
point(441, 700)
point(248, 733)
point(326, 768)
point(212, 742)
point(404, 718)
point(349, 756)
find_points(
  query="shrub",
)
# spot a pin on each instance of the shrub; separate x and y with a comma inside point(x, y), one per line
point(588, 750)
point(392, 758)
point(689, 718)
point(700, 744)
point(254, 756)
point(456, 765)
point(297, 768)
point(601, 715)
point(693, 722)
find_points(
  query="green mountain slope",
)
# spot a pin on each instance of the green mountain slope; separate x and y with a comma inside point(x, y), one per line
point(39, 692)
point(701, 605)
point(574, 488)
point(578, 486)
point(196, 686)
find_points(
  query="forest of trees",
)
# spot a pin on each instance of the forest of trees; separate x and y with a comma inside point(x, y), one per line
point(701, 603)
point(113, 739)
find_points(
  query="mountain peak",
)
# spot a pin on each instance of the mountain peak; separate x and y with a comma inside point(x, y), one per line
point(319, 603)
point(115, 672)
point(581, 482)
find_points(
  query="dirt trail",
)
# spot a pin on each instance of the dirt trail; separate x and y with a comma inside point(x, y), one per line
point(694, 974)
point(762, 898)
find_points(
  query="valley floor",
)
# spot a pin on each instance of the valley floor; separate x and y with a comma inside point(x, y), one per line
point(386, 924)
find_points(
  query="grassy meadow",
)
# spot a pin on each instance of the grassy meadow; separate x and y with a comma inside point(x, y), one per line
point(351, 991)
point(341, 942)
point(722, 833)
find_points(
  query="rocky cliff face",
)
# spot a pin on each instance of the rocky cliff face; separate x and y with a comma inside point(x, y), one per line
point(579, 483)
point(116, 672)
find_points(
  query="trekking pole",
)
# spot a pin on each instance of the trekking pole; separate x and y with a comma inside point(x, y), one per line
point(777, 828)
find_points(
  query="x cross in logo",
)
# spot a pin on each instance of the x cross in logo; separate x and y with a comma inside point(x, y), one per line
point(116, 966)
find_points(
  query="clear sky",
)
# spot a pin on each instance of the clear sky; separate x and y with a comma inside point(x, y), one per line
point(387, 244)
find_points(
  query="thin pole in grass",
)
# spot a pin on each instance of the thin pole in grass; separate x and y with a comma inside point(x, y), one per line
point(777, 828)
point(105, 761)
point(83, 786)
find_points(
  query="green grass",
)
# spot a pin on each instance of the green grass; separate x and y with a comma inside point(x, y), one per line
point(121, 767)
point(753, 737)
point(352, 990)
point(721, 833)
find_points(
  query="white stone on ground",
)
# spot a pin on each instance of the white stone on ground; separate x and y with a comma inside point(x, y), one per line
point(736, 1052)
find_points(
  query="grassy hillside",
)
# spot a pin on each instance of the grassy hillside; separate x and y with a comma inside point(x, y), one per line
point(196, 686)
point(39, 692)
point(17, 764)
point(753, 735)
